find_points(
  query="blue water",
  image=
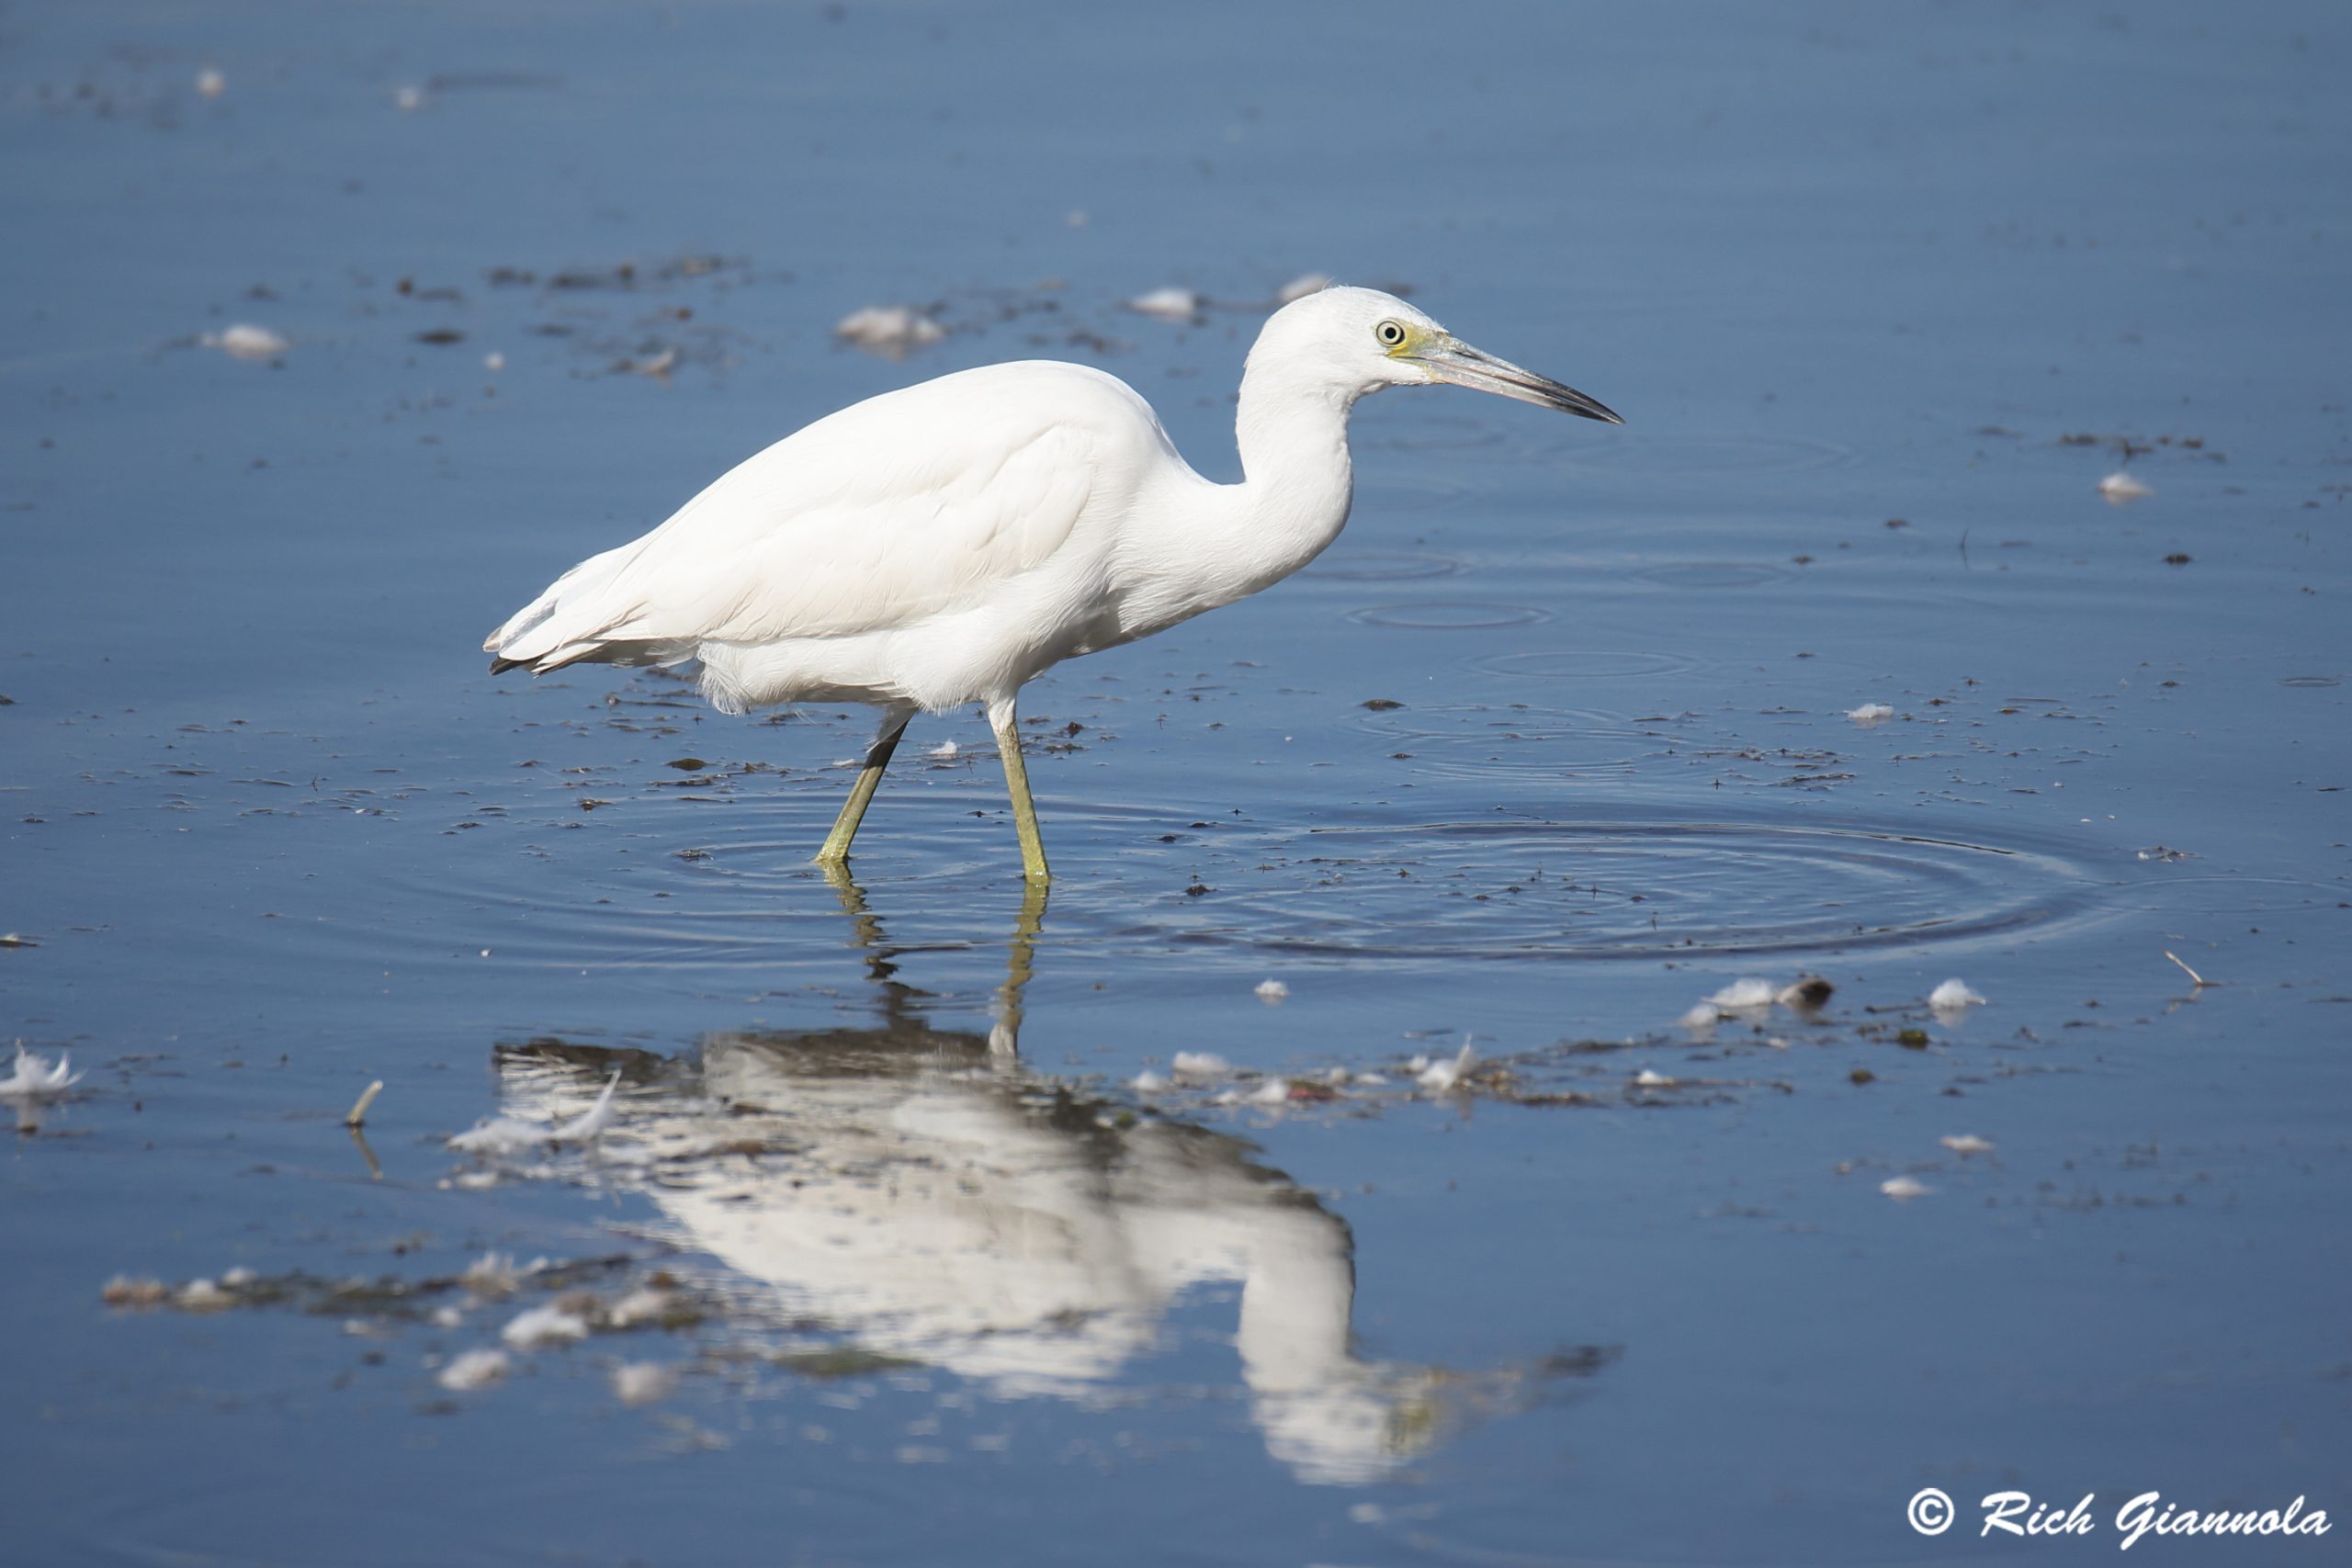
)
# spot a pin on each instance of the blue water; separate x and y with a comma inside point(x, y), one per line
point(271, 831)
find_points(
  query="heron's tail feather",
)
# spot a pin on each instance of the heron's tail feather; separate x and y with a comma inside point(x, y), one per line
point(566, 624)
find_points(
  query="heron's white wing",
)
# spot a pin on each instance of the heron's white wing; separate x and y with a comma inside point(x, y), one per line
point(883, 515)
point(758, 556)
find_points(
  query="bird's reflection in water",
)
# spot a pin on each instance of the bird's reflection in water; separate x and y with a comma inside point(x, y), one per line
point(916, 1189)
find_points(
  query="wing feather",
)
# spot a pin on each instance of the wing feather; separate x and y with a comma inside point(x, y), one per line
point(883, 515)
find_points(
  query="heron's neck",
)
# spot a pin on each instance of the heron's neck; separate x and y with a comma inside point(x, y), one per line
point(1297, 478)
point(1229, 541)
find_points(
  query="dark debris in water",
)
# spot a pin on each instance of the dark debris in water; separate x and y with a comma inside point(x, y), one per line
point(385, 1297)
point(833, 1362)
point(1570, 1074)
point(2129, 446)
point(512, 1311)
point(618, 275)
point(1809, 991)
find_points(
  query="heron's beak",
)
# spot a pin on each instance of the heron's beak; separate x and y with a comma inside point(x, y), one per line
point(1455, 361)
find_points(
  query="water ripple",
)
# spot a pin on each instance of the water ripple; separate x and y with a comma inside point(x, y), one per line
point(1710, 574)
point(1588, 664)
point(1636, 889)
point(1376, 566)
point(1704, 457)
point(1434, 615)
point(1480, 740)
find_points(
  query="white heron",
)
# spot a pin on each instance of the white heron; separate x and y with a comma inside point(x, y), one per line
point(945, 543)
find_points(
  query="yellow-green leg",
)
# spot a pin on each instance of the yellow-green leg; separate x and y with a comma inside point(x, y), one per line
point(877, 757)
point(1016, 782)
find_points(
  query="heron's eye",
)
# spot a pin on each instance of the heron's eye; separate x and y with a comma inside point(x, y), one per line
point(1390, 334)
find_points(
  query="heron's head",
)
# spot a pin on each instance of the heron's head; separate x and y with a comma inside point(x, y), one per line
point(1361, 340)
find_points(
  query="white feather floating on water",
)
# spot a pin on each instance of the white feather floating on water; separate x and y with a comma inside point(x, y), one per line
point(1870, 713)
point(1647, 1079)
point(945, 749)
point(1200, 1064)
point(1966, 1143)
point(888, 330)
point(246, 341)
point(1168, 304)
point(505, 1136)
point(1902, 1188)
point(542, 1326)
point(1749, 996)
point(1440, 1077)
point(36, 1079)
point(203, 1295)
point(493, 1274)
point(591, 1121)
point(640, 1307)
point(475, 1369)
point(1953, 995)
point(1271, 992)
point(1744, 996)
point(2119, 488)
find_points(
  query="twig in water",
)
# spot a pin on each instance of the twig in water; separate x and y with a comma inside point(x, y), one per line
point(359, 1117)
point(2201, 981)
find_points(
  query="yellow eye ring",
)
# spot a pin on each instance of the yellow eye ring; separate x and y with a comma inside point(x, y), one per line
point(1391, 334)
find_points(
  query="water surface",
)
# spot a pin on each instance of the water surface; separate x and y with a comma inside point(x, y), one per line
point(1551, 745)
